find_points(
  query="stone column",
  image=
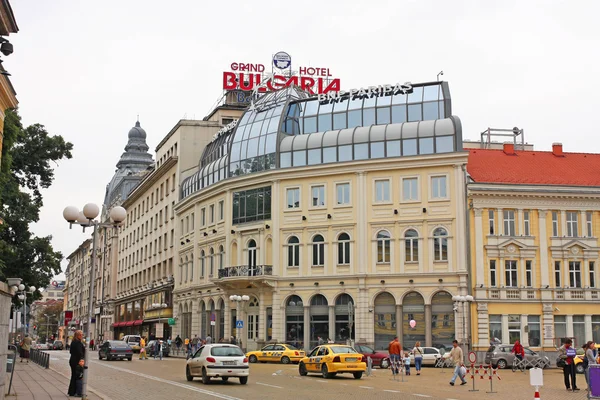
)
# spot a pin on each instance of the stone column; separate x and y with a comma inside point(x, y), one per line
point(543, 251)
point(276, 248)
point(195, 320)
point(428, 338)
point(332, 322)
point(262, 316)
point(399, 322)
point(362, 223)
point(218, 333)
point(306, 338)
point(227, 317)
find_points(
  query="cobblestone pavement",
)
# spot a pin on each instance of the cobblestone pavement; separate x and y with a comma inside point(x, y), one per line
point(150, 379)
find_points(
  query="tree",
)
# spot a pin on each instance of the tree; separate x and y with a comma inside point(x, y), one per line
point(25, 170)
point(47, 317)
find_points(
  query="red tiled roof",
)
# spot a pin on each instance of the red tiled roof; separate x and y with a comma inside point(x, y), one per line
point(534, 167)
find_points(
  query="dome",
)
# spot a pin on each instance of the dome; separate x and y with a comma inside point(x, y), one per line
point(137, 132)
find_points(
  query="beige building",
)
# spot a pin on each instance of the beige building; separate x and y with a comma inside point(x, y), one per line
point(78, 284)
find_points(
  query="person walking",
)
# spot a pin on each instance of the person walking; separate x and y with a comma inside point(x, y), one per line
point(395, 350)
point(418, 354)
point(456, 355)
point(407, 363)
point(143, 355)
point(518, 350)
point(157, 349)
point(567, 352)
point(25, 348)
point(178, 342)
point(589, 360)
point(92, 344)
point(77, 352)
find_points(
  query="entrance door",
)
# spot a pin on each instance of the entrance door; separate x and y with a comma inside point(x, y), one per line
point(252, 324)
point(251, 258)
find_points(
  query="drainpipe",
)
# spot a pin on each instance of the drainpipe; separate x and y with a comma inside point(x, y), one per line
point(468, 258)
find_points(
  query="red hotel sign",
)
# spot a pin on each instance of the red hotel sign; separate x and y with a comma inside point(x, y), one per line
point(248, 77)
point(68, 317)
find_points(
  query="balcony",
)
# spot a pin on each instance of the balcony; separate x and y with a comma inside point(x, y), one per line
point(246, 271)
point(560, 294)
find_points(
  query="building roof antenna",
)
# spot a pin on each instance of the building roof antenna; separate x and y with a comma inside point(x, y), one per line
point(438, 75)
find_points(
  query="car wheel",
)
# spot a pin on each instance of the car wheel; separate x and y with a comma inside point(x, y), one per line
point(129, 358)
point(253, 359)
point(99, 356)
point(205, 377)
point(325, 372)
point(357, 375)
point(188, 375)
point(243, 380)
point(385, 364)
point(302, 369)
point(285, 360)
point(225, 378)
point(501, 364)
point(579, 368)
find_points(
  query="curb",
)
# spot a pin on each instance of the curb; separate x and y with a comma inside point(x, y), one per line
point(91, 389)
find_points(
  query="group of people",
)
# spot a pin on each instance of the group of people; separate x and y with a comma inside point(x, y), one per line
point(397, 358)
point(192, 345)
point(567, 353)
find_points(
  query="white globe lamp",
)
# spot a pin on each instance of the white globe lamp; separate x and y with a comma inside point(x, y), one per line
point(71, 213)
point(118, 214)
point(91, 211)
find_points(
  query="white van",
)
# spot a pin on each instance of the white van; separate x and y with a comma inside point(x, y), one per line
point(133, 341)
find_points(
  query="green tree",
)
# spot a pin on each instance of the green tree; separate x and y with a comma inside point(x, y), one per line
point(47, 318)
point(25, 170)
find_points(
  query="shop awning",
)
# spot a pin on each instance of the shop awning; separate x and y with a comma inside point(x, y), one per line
point(138, 322)
point(118, 324)
point(129, 323)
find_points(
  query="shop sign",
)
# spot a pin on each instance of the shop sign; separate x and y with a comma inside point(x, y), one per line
point(171, 321)
point(282, 60)
point(68, 317)
point(371, 91)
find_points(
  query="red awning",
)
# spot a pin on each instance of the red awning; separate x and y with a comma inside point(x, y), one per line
point(114, 324)
point(138, 322)
point(129, 323)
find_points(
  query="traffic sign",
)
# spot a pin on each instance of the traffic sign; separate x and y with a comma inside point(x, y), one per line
point(213, 323)
point(472, 357)
point(213, 317)
point(239, 324)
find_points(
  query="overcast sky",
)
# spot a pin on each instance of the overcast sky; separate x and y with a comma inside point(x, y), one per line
point(85, 69)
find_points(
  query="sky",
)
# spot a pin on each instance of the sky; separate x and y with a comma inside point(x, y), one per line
point(86, 69)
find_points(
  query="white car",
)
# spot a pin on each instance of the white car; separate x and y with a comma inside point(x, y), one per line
point(430, 356)
point(218, 360)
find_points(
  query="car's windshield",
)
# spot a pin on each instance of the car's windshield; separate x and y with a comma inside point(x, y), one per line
point(226, 352)
point(118, 345)
point(289, 346)
point(134, 339)
point(343, 350)
point(366, 349)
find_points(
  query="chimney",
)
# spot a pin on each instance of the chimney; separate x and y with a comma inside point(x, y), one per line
point(557, 150)
point(509, 149)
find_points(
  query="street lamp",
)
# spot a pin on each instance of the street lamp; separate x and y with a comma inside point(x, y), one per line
point(241, 302)
point(19, 289)
point(47, 326)
point(462, 300)
point(86, 218)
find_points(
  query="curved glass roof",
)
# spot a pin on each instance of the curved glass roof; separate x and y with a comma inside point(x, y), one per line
point(290, 128)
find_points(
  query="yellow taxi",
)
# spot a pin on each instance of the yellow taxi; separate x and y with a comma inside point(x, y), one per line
point(332, 359)
point(283, 353)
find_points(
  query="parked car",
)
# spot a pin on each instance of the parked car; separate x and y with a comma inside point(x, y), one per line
point(150, 349)
point(578, 361)
point(115, 350)
point(500, 356)
point(40, 346)
point(218, 360)
point(133, 341)
point(283, 353)
point(430, 356)
point(381, 360)
point(58, 345)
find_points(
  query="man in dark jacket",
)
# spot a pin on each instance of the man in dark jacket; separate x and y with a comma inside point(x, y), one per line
point(77, 351)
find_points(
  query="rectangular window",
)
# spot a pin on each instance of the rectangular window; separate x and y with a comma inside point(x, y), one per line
point(193, 219)
point(592, 266)
point(318, 196)
point(252, 205)
point(492, 219)
point(211, 213)
point(510, 269)
point(509, 222)
point(410, 190)
point(579, 328)
point(172, 237)
point(343, 193)
point(496, 328)
point(554, 223)
point(514, 328)
point(588, 220)
point(187, 224)
point(557, 280)
point(172, 210)
point(173, 183)
point(438, 187)
point(293, 198)
point(528, 274)
point(526, 224)
point(203, 217)
point(221, 210)
point(596, 328)
point(493, 273)
point(574, 274)
point(572, 224)
point(382, 191)
point(533, 322)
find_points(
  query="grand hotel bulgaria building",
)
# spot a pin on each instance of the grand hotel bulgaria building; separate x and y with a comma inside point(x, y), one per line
point(338, 219)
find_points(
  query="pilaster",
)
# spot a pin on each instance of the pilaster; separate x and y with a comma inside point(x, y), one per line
point(479, 255)
point(544, 265)
point(306, 338)
point(428, 325)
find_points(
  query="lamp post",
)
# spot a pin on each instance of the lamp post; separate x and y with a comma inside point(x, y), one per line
point(160, 306)
point(22, 295)
point(86, 219)
point(241, 302)
point(462, 300)
point(47, 326)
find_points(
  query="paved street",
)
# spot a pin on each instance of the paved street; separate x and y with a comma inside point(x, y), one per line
point(165, 379)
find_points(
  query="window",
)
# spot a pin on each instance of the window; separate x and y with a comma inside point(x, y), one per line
point(221, 257)
point(221, 210)
point(509, 222)
point(592, 270)
point(533, 321)
point(383, 247)
point(588, 220)
point(411, 242)
point(202, 263)
point(493, 275)
point(438, 187)
point(318, 196)
point(572, 224)
point(554, 223)
point(343, 193)
point(496, 328)
point(526, 224)
point(343, 248)
point(318, 251)
point(510, 269)
point(440, 245)
point(252, 205)
point(560, 326)
point(579, 329)
point(528, 274)
point(211, 213)
point(203, 217)
point(596, 328)
point(211, 261)
point(557, 280)
point(575, 274)
point(293, 198)
point(293, 252)
point(382, 191)
point(193, 218)
point(491, 219)
point(410, 190)
point(514, 328)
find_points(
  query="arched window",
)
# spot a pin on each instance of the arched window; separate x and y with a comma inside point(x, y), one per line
point(318, 250)
point(440, 245)
point(383, 247)
point(202, 261)
point(221, 257)
point(343, 248)
point(411, 239)
point(293, 252)
point(211, 255)
point(252, 253)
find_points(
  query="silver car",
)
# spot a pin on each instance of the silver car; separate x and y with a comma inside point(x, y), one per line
point(501, 356)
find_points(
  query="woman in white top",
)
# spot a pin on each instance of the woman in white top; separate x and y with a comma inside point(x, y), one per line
point(589, 356)
point(418, 354)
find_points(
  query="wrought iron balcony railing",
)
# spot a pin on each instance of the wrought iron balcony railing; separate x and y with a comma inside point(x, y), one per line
point(245, 271)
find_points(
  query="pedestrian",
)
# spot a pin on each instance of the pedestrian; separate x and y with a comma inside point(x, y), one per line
point(456, 355)
point(178, 342)
point(25, 348)
point(518, 350)
point(567, 352)
point(77, 351)
point(589, 360)
point(407, 363)
point(143, 355)
point(92, 344)
point(319, 340)
point(67, 343)
point(418, 354)
point(208, 339)
point(395, 350)
point(232, 340)
point(157, 349)
point(169, 342)
point(79, 379)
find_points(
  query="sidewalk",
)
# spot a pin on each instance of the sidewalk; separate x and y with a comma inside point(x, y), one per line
point(32, 382)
